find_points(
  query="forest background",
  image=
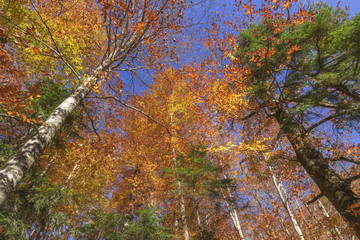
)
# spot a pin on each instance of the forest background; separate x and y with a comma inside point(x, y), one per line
point(144, 119)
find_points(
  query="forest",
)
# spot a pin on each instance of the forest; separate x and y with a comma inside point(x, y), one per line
point(179, 119)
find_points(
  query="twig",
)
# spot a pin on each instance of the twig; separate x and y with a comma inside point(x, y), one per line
point(19, 119)
point(345, 159)
point(137, 110)
point(56, 46)
point(44, 43)
point(92, 122)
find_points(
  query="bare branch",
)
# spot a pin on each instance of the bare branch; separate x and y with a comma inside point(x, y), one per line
point(315, 199)
point(92, 122)
point(58, 52)
point(137, 110)
point(46, 45)
point(345, 159)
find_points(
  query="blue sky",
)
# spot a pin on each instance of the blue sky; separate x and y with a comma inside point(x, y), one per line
point(354, 5)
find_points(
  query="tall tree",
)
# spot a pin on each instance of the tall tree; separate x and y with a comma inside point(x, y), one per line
point(297, 71)
point(130, 27)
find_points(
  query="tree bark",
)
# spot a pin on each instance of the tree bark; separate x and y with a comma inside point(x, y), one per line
point(326, 214)
point(285, 203)
point(232, 210)
point(181, 194)
point(200, 227)
point(331, 185)
point(182, 203)
point(14, 170)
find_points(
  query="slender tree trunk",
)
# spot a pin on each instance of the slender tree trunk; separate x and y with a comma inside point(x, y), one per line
point(284, 200)
point(316, 219)
point(305, 221)
point(262, 210)
point(181, 194)
point(326, 214)
point(283, 226)
point(14, 170)
point(229, 202)
point(72, 174)
point(338, 191)
point(48, 166)
point(182, 203)
point(198, 219)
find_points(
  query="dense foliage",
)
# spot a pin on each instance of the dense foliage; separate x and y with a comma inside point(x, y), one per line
point(108, 132)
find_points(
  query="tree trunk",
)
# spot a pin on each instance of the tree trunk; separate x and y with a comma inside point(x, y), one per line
point(268, 222)
point(198, 219)
point(316, 219)
point(284, 200)
point(14, 170)
point(229, 202)
point(71, 175)
point(326, 214)
point(283, 226)
point(329, 182)
point(182, 202)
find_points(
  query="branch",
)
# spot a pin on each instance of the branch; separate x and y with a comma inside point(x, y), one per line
point(315, 199)
point(58, 52)
point(345, 159)
point(92, 122)
point(351, 179)
point(135, 109)
point(309, 129)
point(45, 44)
point(248, 116)
point(20, 120)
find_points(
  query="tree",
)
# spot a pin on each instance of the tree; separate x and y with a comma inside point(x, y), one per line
point(298, 72)
point(111, 226)
point(183, 156)
point(130, 26)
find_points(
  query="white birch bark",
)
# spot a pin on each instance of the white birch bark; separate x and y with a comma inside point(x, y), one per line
point(326, 214)
point(48, 166)
point(232, 210)
point(283, 226)
point(14, 170)
point(119, 50)
point(316, 219)
point(198, 219)
point(71, 175)
point(284, 200)
point(181, 195)
point(181, 202)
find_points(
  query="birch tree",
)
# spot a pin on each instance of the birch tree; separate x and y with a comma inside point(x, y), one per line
point(131, 27)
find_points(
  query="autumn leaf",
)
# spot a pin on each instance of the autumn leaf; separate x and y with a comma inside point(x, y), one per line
point(35, 50)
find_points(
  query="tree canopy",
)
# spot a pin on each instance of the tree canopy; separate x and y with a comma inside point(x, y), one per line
point(141, 119)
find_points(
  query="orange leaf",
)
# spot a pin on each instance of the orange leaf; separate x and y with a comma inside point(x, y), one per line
point(36, 50)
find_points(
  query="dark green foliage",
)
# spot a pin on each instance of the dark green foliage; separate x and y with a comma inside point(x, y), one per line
point(102, 226)
point(199, 175)
point(6, 151)
point(51, 95)
point(146, 226)
point(322, 72)
point(31, 209)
